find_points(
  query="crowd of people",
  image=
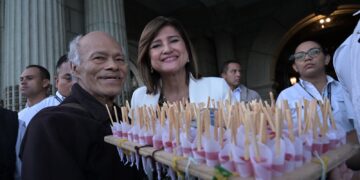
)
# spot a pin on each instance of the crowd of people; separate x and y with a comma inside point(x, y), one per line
point(61, 136)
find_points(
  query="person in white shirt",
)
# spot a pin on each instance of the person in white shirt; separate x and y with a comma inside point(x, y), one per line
point(347, 66)
point(34, 85)
point(168, 67)
point(231, 72)
point(310, 60)
point(63, 80)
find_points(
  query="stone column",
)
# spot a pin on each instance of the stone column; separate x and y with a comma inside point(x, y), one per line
point(109, 16)
point(2, 93)
point(34, 33)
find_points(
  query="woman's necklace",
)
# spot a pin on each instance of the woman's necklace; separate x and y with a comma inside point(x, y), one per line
point(163, 99)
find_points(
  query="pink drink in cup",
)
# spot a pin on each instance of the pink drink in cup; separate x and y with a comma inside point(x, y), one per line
point(212, 149)
point(326, 144)
point(317, 146)
point(242, 165)
point(278, 158)
point(199, 155)
point(263, 165)
point(307, 141)
point(116, 130)
point(225, 160)
point(185, 145)
point(299, 154)
point(289, 155)
point(157, 141)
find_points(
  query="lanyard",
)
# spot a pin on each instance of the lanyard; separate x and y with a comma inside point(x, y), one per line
point(58, 98)
point(328, 92)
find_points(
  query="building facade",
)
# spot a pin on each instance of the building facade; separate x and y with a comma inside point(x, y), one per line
point(257, 33)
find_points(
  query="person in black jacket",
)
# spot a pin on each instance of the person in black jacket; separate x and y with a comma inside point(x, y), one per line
point(67, 141)
point(8, 133)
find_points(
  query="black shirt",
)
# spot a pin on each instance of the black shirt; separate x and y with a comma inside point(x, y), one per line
point(9, 126)
point(64, 142)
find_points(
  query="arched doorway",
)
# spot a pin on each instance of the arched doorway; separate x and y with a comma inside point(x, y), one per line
point(331, 36)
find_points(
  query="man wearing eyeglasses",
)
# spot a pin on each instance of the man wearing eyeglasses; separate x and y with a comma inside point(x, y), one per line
point(310, 60)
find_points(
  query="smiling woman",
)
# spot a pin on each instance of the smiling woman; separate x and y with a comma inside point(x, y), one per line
point(168, 66)
point(168, 53)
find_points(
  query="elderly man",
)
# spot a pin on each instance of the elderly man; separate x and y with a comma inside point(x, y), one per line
point(231, 72)
point(67, 141)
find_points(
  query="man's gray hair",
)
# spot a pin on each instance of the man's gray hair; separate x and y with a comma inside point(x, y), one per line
point(74, 54)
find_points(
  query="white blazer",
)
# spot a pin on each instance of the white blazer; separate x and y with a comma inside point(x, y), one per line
point(199, 91)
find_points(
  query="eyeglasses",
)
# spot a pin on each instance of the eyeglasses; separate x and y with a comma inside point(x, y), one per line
point(300, 56)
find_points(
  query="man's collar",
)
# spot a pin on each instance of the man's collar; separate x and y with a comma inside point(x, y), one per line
point(237, 89)
point(329, 79)
point(59, 95)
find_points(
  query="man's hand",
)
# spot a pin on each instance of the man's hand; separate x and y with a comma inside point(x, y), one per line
point(342, 173)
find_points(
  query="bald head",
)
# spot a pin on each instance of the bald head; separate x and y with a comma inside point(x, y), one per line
point(97, 38)
point(90, 40)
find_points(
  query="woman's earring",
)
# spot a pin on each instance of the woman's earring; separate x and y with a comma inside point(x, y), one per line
point(151, 70)
point(188, 60)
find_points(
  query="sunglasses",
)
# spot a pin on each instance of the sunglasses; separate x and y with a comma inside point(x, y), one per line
point(300, 56)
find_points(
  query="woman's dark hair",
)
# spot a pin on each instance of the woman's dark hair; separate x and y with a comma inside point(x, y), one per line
point(151, 30)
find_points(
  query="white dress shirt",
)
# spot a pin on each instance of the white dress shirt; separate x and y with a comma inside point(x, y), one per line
point(56, 100)
point(334, 91)
point(244, 94)
point(29, 112)
point(236, 94)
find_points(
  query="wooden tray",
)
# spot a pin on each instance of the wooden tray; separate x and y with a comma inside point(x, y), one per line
point(309, 170)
